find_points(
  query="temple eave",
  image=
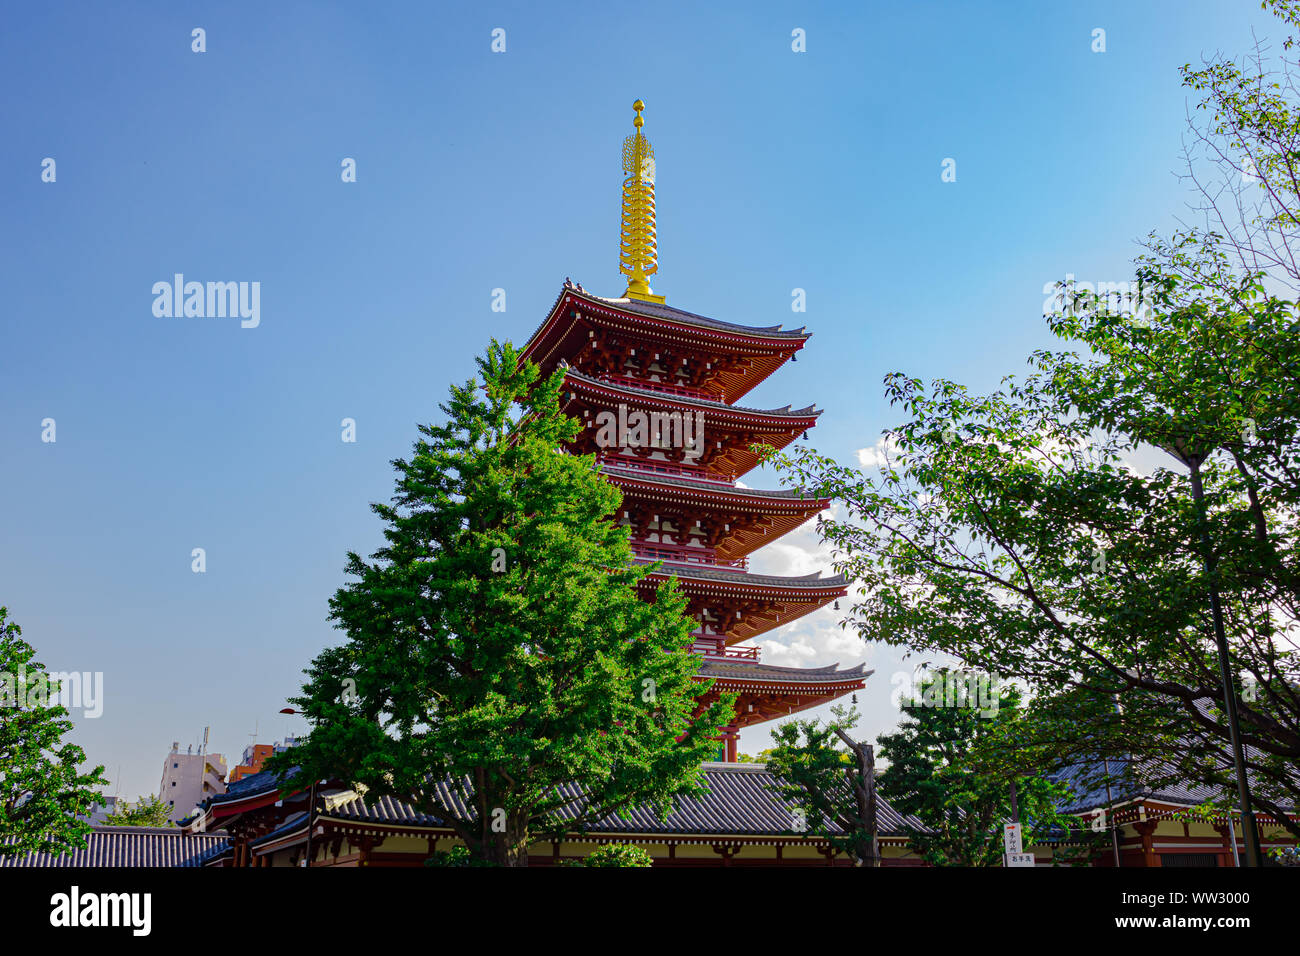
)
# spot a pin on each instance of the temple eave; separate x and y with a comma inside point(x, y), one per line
point(578, 316)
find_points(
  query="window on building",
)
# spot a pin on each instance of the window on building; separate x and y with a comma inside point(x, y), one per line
point(1189, 859)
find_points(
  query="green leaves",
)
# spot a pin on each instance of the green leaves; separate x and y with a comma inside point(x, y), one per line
point(825, 783)
point(150, 811)
point(42, 791)
point(1016, 532)
point(941, 771)
point(497, 641)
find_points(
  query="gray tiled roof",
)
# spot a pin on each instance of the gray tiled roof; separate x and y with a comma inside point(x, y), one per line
point(659, 310)
point(743, 800)
point(129, 846)
point(751, 670)
point(814, 580)
point(1151, 777)
point(808, 411)
point(245, 786)
point(662, 311)
point(614, 471)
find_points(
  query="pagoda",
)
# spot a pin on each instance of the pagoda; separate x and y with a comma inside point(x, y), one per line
point(657, 390)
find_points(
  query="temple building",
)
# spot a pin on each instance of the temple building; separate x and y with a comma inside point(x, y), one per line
point(657, 389)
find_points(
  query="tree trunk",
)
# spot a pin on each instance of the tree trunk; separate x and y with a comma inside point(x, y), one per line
point(507, 849)
point(506, 841)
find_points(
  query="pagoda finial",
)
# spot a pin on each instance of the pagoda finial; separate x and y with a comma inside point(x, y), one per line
point(638, 254)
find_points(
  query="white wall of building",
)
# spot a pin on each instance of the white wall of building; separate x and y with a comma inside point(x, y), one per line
point(189, 778)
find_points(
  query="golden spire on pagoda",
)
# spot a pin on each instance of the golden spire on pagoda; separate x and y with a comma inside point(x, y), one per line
point(638, 255)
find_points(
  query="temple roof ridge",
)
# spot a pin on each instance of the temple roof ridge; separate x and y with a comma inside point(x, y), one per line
point(740, 799)
point(733, 668)
point(620, 471)
point(663, 311)
point(710, 572)
point(785, 411)
point(658, 310)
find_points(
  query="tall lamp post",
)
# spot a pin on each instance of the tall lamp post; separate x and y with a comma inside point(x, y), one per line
point(311, 802)
point(1193, 460)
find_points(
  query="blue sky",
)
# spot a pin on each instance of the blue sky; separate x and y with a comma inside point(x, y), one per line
point(479, 170)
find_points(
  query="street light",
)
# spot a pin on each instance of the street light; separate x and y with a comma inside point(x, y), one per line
point(1193, 460)
point(311, 798)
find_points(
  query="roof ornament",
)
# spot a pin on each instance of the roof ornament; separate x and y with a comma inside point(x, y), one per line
point(638, 254)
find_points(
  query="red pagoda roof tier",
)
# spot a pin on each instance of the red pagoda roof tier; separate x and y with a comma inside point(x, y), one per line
point(734, 521)
point(655, 389)
point(738, 606)
point(729, 431)
point(719, 358)
point(767, 692)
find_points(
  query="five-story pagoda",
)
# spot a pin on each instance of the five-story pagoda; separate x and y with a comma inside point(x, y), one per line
point(657, 389)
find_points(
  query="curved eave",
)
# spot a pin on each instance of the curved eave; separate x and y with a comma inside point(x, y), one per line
point(711, 493)
point(723, 581)
point(781, 513)
point(224, 809)
point(616, 392)
point(221, 811)
point(775, 427)
point(291, 832)
point(755, 706)
point(758, 686)
point(787, 599)
point(564, 332)
point(767, 693)
point(781, 676)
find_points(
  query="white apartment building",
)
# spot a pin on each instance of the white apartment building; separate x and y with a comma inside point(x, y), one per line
point(189, 778)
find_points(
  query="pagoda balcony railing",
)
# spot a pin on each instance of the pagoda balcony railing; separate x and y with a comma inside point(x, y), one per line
point(684, 390)
point(710, 650)
point(651, 466)
point(676, 554)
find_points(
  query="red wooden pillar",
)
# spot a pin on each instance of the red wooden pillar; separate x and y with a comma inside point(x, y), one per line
point(1145, 829)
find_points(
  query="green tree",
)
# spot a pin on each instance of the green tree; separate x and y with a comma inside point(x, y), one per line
point(1013, 531)
point(42, 792)
point(827, 775)
point(457, 856)
point(148, 811)
point(1054, 529)
point(498, 657)
point(618, 854)
point(940, 773)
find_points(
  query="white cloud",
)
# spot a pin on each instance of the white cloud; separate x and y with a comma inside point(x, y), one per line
point(878, 454)
point(815, 639)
